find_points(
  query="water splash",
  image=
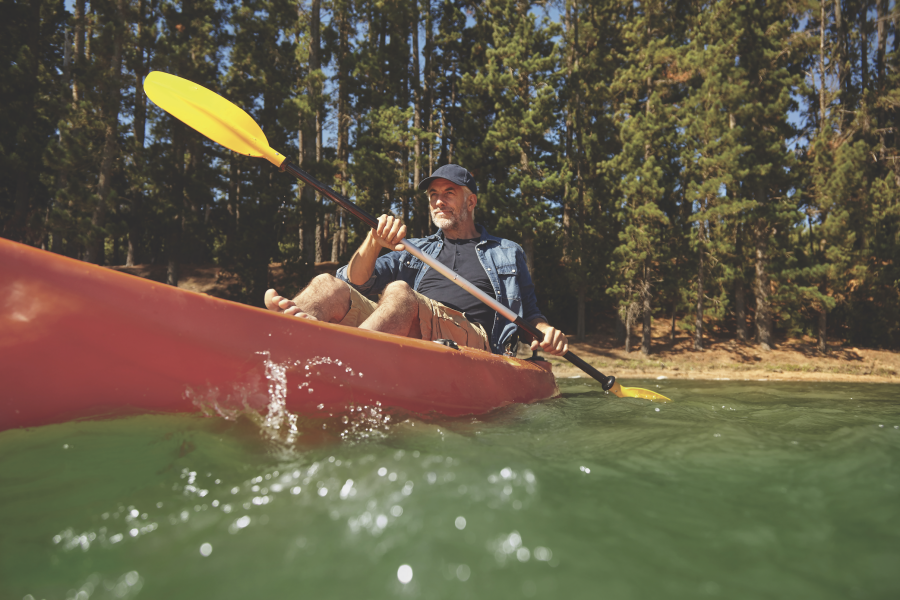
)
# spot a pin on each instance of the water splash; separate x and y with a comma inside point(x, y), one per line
point(268, 410)
point(279, 423)
point(365, 423)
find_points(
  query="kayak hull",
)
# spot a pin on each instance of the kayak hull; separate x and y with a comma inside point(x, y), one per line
point(78, 340)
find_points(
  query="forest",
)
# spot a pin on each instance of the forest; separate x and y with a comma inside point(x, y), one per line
point(730, 167)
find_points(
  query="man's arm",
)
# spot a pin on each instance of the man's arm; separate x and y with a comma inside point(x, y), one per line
point(555, 341)
point(388, 234)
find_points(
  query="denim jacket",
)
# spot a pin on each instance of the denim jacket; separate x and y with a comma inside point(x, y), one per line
point(503, 261)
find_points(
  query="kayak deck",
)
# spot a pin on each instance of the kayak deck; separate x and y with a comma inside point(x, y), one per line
point(78, 340)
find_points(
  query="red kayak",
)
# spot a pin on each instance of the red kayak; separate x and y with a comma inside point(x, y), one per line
point(78, 340)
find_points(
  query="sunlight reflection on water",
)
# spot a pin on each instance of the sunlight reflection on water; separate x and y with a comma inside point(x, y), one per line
point(574, 498)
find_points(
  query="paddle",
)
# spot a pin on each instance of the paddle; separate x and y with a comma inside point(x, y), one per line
point(224, 123)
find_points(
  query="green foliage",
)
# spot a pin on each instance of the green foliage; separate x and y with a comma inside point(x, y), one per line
point(720, 164)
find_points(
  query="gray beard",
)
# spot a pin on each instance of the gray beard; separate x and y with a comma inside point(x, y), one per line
point(451, 223)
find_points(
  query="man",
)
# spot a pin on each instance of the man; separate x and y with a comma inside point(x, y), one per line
point(417, 301)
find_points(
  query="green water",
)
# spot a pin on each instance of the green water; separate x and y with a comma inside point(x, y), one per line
point(736, 490)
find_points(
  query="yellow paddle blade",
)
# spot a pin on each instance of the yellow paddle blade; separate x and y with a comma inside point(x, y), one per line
point(624, 392)
point(210, 114)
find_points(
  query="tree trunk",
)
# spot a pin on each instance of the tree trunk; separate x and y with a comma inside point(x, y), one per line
point(338, 247)
point(762, 289)
point(740, 310)
point(110, 112)
point(16, 226)
point(629, 324)
point(25, 139)
point(416, 85)
point(580, 328)
point(864, 47)
point(315, 92)
point(140, 101)
point(336, 236)
point(840, 52)
point(881, 48)
point(569, 138)
point(310, 145)
point(88, 33)
point(131, 254)
point(320, 242)
point(176, 225)
point(698, 308)
point(672, 333)
point(821, 66)
point(79, 50)
point(823, 341)
point(647, 294)
point(133, 220)
point(172, 244)
point(428, 84)
point(116, 251)
point(628, 330)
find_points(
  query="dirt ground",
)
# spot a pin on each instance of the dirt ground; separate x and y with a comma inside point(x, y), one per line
point(212, 280)
point(790, 360)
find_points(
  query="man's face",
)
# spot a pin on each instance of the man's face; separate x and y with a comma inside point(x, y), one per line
point(448, 206)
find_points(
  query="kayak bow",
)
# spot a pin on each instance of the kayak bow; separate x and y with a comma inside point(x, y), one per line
point(79, 340)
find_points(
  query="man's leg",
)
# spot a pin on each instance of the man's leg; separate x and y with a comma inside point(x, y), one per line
point(326, 298)
point(397, 312)
point(437, 321)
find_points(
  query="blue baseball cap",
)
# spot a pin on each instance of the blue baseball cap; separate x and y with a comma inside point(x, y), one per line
point(454, 173)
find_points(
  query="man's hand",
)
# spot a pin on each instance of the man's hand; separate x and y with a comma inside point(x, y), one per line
point(389, 233)
point(555, 341)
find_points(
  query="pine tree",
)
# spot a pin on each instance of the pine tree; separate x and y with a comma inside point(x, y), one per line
point(262, 77)
point(110, 45)
point(712, 153)
point(188, 46)
point(647, 86)
point(766, 56)
point(519, 77)
point(591, 37)
point(31, 103)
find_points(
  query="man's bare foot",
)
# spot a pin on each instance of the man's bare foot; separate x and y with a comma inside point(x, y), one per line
point(280, 304)
point(277, 303)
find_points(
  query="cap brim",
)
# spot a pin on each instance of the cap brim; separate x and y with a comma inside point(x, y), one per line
point(423, 185)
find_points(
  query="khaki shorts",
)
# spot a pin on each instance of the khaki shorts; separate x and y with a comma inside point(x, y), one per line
point(436, 321)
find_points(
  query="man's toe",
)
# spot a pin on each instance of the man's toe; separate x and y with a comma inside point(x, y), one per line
point(271, 300)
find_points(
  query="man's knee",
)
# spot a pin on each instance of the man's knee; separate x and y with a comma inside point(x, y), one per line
point(399, 290)
point(328, 285)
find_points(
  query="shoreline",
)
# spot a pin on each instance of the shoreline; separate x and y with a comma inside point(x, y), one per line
point(728, 360)
point(566, 371)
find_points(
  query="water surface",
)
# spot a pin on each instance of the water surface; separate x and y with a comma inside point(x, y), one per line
point(735, 490)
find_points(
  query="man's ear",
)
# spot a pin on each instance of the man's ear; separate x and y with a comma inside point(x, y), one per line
point(473, 198)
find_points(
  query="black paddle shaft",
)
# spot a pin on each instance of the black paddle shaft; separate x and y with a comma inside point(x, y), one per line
point(371, 221)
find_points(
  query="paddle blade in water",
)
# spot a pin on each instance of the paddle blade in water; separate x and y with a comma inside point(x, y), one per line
point(624, 392)
point(210, 114)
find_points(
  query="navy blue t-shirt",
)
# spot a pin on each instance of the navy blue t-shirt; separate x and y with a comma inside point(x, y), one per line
point(459, 256)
